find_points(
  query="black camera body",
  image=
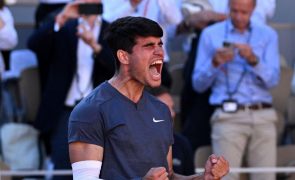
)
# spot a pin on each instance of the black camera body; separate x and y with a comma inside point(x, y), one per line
point(227, 44)
point(90, 9)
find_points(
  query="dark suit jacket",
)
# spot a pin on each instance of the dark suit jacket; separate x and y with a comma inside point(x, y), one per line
point(57, 55)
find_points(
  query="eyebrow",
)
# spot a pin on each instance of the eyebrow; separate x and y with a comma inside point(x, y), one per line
point(152, 43)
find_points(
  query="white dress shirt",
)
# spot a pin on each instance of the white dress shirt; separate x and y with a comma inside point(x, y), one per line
point(82, 81)
point(165, 12)
point(8, 35)
point(264, 9)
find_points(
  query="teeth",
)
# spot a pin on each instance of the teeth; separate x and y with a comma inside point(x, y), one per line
point(157, 62)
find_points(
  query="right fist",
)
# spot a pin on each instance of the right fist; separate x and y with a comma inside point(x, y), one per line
point(158, 173)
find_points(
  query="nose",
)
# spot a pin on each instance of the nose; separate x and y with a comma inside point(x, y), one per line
point(159, 51)
point(238, 16)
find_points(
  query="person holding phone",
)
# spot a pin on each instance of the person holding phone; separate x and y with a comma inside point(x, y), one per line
point(79, 60)
point(239, 59)
point(183, 158)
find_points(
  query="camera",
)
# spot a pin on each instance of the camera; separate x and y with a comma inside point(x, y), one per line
point(90, 9)
point(227, 44)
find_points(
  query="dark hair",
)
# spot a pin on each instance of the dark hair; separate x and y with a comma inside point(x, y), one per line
point(123, 32)
point(2, 4)
point(158, 91)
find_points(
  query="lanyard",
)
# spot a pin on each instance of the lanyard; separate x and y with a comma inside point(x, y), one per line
point(231, 93)
point(234, 91)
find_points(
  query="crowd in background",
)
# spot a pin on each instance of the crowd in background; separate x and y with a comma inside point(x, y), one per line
point(232, 62)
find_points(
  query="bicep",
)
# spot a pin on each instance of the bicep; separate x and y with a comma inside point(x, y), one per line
point(80, 151)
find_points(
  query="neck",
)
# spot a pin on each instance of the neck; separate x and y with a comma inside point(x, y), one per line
point(241, 30)
point(128, 87)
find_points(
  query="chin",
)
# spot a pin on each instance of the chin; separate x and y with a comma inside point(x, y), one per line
point(155, 84)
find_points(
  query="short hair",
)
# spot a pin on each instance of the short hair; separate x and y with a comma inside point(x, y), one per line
point(122, 33)
point(158, 91)
point(254, 2)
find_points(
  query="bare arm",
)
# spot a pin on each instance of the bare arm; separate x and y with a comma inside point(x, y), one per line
point(80, 151)
point(175, 176)
point(215, 168)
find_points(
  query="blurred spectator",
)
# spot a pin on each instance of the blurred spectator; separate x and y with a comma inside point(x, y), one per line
point(239, 59)
point(79, 61)
point(182, 151)
point(47, 9)
point(195, 108)
point(263, 11)
point(293, 84)
point(164, 12)
point(8, 35)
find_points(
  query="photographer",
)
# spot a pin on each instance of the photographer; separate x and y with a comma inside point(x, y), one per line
point(239, 59)
point(79, 61)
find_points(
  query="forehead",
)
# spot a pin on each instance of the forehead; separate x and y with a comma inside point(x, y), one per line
point(242, 4)
point(149, 39)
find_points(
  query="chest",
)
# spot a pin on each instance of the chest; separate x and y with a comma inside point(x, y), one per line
point(138, 127)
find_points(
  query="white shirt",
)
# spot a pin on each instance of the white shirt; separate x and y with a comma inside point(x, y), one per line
point(165, 12)
point(82, 82)
point(264, 9)
point(8, 35)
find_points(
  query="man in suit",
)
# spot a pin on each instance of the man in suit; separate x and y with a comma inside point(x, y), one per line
point(79, 60)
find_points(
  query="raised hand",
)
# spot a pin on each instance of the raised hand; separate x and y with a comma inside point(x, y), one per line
point(201, 19)
point(223, 55)
point(246, 52)
point(88, 37)
point(158, 173)
point(1, 23)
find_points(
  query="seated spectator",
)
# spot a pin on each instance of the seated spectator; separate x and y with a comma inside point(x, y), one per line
point(195, 108)
point(182, 152)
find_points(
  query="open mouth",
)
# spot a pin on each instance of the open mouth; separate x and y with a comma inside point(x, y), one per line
point(156, 68)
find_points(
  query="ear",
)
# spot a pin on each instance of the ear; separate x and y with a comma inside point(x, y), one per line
point(123, 56)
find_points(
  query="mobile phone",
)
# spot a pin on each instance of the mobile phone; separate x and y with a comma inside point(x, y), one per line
point(227, 44)
point(90, 9)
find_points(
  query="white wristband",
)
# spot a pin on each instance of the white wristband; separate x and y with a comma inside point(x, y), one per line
point(86, 170)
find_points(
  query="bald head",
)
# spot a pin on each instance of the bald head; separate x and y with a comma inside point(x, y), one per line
point(253, 2)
